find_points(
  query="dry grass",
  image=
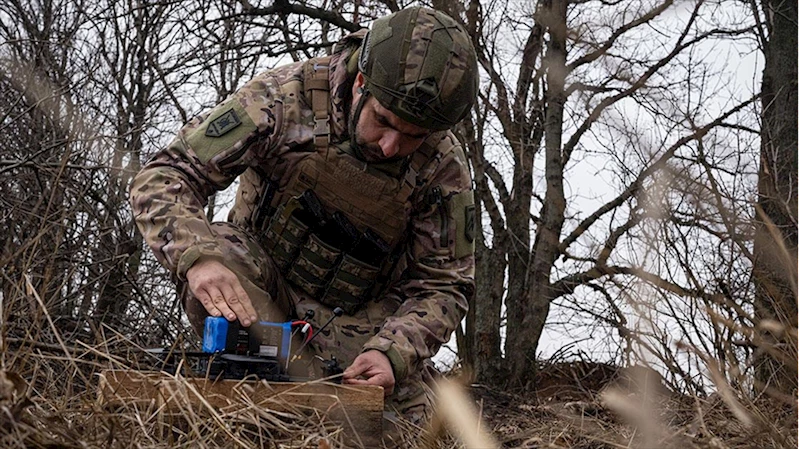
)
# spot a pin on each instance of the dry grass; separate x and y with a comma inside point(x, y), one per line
point(49, 399)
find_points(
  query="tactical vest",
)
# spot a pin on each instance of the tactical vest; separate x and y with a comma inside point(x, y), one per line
point(335, 227)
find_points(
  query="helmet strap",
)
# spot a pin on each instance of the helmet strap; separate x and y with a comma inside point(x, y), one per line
point(356, 116)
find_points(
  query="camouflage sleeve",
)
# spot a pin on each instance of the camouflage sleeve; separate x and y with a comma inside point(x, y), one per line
point(438, 282)
point(168, 195)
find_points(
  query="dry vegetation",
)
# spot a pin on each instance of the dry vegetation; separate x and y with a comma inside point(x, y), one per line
point(49, 399)
point(88, 90)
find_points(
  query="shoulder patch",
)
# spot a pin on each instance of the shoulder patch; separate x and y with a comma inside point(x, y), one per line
point(222, 124)
point(469, 225)
point(465, 223)
point(227, 126)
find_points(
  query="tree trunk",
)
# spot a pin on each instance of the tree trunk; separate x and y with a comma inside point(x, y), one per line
point(483, 320)
point(775, 264)
point(528, 314)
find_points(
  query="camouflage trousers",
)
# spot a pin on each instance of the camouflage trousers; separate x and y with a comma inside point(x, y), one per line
point(277, 300)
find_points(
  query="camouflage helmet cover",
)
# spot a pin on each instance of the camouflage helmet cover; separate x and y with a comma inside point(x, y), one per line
point(420, 64)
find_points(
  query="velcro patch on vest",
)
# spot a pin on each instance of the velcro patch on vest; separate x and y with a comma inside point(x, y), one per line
point(360, 181)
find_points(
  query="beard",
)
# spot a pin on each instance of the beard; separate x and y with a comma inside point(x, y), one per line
point(367, 152)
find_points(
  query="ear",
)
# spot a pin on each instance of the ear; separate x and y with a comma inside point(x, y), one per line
point(357, 86)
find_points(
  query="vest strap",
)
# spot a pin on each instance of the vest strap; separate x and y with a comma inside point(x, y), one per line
point(316, 74)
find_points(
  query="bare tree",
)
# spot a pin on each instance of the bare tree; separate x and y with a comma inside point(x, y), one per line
point(776, 237)
point(45, 140)
point(580, 69)
point(130, 40)
point(82, 90)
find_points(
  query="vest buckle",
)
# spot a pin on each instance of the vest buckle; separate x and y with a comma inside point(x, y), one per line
point(321, 127)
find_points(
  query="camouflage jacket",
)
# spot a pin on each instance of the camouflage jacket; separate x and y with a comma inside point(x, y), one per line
point(431, 284)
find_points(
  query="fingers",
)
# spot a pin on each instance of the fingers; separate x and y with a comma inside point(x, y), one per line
point(371, 368)
point(238, 302)
point(221, 303)
point(215, 308)
point(387, 382)
point(205, 300)
point(357, 368)
point(218, 289)
point(381, 380)
point(214, 302)
point(249, 309)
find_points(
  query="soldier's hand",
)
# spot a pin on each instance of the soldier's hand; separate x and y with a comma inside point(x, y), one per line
point(371, 368)
point(220, 292)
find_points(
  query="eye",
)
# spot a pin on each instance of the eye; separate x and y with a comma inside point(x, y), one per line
point(383, 122)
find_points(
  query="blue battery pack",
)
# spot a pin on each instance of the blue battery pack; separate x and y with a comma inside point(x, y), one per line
point(215, 334)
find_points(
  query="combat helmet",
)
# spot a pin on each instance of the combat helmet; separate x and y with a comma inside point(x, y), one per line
point(420, 64)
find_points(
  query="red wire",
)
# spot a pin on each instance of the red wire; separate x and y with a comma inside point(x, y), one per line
point(310, 328)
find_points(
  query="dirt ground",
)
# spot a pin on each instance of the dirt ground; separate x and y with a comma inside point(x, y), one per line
point(593, 406)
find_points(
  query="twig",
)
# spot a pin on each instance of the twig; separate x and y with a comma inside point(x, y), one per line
point(70, 357)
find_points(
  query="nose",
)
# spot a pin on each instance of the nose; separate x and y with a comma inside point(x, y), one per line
point(390, 143)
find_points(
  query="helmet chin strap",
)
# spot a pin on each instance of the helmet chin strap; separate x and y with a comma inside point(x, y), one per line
point(356, 116)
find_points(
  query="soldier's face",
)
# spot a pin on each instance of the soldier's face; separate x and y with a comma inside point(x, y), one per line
point(379, 133)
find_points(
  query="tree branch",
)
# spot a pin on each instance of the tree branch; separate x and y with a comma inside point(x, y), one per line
point(660, 163)
point(593, 56)
point(286, 7)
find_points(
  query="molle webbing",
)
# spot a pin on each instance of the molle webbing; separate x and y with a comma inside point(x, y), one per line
point(285, 234)
point(327, 257)
point(335, 270)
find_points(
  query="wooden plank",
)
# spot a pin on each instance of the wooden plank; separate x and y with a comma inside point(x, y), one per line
point(358, 409)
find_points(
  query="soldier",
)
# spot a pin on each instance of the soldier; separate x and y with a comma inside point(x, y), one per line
point(353, 193)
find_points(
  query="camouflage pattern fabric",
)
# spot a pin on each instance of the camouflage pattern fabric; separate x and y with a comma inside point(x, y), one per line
point(268, 126)
point(275, 299)
point(421, 64)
